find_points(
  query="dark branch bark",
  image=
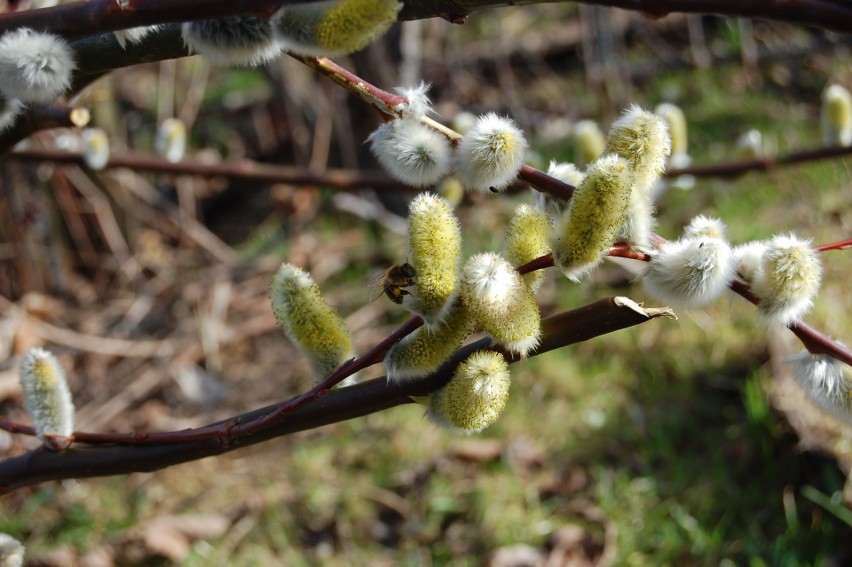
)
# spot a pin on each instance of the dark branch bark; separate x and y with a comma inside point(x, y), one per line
point(40, 465)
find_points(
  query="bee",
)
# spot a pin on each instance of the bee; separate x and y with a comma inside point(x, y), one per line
point(393, 281)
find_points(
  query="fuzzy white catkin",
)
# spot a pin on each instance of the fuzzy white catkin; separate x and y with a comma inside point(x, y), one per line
point(96, 148)
point(234, 40)
point(11, 551)
point(476, 395)
point(836, 116)
point(747, 258)
point(490, 154)
point(701, 226)
point(567, 173)
point(417, 104)
point(10, 108)
point(823, 376)
point(34, 66)
point(750, 145)
point(787, 280)
point(171, 139)
point(46, 394)
point(411, 152)
point(690, 272)
point(499, 300)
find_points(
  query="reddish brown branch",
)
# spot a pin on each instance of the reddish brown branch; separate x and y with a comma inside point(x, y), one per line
point(735, 168)
point(601, 317)
point(840, 245)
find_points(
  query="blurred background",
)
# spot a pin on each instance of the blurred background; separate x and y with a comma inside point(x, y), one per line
point(675, 443)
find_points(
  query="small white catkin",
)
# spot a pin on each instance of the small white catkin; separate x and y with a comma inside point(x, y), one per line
point(171, 139)
point(245, 41)
point(787, 280)
point(490, 154)
point(11, 551)
point(476, 395)
point(690, 272)
point(567, 173)
point(411, 152)
point(46, 394)
point(750, 145)
point(747, 258)
point(702, 226)
point(836, 116)
point(823, 376)
point(96, 149)
point(34, 66)
point(10, 108)
point(417, 104)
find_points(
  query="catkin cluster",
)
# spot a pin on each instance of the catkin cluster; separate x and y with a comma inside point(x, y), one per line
point(487, 158)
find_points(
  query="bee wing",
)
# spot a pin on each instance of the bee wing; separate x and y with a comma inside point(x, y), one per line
point(377, 284)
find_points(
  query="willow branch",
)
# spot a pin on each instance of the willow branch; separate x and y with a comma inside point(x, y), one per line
point(735, 168)
point(599, 318)
point(247, 170)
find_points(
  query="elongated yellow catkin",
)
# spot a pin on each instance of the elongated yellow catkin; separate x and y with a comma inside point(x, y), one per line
point(595, 215)
point(423, 351)
point(309, 321)
point(333, 27)
point(434, 250)
point(589, 142)
point(641, 137)
point(527, 238)
point(476, 395)
point(46, 394)
point(836, 118)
